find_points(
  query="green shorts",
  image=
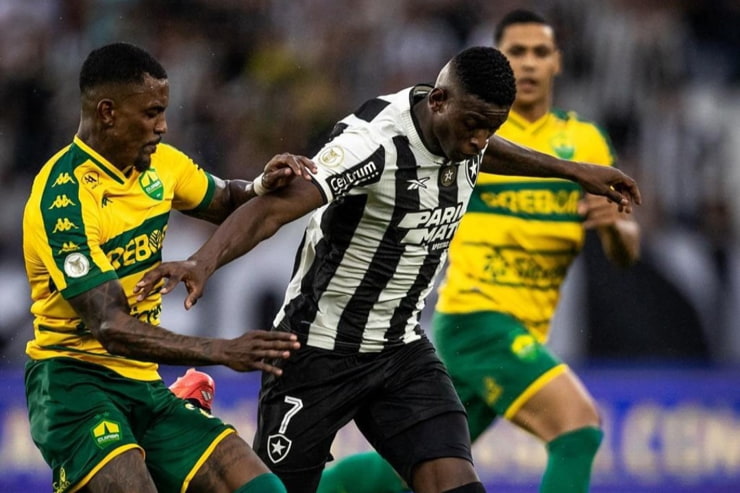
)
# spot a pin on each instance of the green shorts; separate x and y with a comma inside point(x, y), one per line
point(494, 362)
point(83, 415)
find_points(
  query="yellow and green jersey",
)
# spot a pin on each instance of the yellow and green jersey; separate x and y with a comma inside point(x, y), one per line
point(519, 235)
point(85, 223)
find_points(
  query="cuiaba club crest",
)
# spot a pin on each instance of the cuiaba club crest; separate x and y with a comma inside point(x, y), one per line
point(447, 175)
point(471, 170)
point(278, 447)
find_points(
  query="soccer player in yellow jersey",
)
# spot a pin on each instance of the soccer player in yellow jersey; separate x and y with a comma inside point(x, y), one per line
point(94, 224)
point(507, 263)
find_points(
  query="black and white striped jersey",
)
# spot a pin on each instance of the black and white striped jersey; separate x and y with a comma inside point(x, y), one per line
point(369, 257)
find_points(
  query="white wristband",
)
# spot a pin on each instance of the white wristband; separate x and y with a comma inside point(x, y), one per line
point(258, 185)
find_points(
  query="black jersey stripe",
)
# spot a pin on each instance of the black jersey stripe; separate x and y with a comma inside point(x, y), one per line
point(338, 224)
point(448, 197)
point(385, 260)
point(370, 109)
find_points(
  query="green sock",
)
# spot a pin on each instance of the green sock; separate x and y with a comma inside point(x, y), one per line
point(361, 473)
point(264, 483)
point(570, 457)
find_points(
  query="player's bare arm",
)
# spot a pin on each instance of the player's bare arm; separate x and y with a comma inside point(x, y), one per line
point(230, 194)
point(507, 158)
point(618, 232)
point(105, 312)
point(251, 223)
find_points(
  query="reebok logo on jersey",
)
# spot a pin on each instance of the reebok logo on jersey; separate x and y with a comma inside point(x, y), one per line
point(360, 174)
point(105, 433)
point(417, 184)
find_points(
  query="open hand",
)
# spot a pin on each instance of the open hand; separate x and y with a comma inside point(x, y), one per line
point(250, 351)
point(187, 271)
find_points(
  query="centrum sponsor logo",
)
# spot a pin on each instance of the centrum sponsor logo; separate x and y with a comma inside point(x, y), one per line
point(105, 433)
point(432, 227)
point(357, 175)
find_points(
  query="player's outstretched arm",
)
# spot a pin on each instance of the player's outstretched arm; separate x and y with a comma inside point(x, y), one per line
point(105, 312)
point(230, 194)
point(250, 224)
point(506, 158)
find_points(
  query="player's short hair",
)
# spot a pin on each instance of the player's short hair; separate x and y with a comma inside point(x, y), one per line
point(485, 72)
point(518, 16)
point(118, 63)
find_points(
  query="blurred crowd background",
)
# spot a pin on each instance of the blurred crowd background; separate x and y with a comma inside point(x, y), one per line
point(251, 78)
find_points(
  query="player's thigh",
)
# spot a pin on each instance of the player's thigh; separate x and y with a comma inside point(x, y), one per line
point(417, 416)
point(181, 439)
point(232, 464)
point(434, 454)
point(561, 405)
point(126, 473)
point(494, 357)
point(301, 411)
point(77, 420)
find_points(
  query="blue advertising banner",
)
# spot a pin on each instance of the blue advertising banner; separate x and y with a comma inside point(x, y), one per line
point(667, 430)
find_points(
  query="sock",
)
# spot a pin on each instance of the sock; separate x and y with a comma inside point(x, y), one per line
point(361, 473)
point(570, 457)
point(264, 483)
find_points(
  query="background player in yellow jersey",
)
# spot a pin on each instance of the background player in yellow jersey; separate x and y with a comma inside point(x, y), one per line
point(93, 225)
point(507, 262)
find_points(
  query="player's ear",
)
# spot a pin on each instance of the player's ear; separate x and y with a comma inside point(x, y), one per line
point(437, 97)
point(558, 62)
point(105, 112)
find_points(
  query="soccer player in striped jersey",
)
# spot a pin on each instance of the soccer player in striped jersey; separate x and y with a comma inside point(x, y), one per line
point(95, 221)
point(507, 263)
point(394, 180)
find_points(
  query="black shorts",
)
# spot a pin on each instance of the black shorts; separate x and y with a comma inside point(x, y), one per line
point(395, 397)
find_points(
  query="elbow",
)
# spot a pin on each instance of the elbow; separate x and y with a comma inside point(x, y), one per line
point(111, 334)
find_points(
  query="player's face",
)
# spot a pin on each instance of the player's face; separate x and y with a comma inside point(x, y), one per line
point(465, 125)
point(531, 50)
point(140, 122)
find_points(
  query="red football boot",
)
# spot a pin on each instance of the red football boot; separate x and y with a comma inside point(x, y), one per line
point(197, 387)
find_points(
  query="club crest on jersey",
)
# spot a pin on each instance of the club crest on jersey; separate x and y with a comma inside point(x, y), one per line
point(563, 146)
point(278, 447)
point(447, 175)
point(151, 184)
point(472, 166)
point(331, 156)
